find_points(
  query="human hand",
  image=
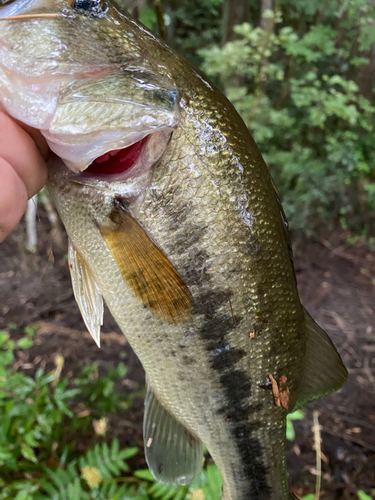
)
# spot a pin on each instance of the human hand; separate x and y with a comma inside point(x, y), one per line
point(23, 171)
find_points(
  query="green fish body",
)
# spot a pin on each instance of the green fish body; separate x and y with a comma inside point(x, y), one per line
point(186, 242)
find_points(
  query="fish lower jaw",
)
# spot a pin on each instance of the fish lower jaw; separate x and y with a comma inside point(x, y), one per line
point(81, 153)
point(127, 186)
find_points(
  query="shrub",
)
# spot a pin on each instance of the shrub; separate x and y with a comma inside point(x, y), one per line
point(307, 116)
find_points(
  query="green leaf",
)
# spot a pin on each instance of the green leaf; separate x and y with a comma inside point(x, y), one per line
point(144, 474)
point(25, 343)
point(28, 452)
point(4, 336)
point(213, 489)
point(6, 357)
point(290, 433)
point(296, 415)
point(148, 18)
point(31, 330)
point(24, 495)
point(128, 453)
point(363, 496)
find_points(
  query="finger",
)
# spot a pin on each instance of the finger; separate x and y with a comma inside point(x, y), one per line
point(38, 139)
point(13, 199)
point(35, 134)
point(19, 150)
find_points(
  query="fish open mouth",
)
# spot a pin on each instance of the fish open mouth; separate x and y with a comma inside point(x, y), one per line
point(120, 164)
point(118, 160)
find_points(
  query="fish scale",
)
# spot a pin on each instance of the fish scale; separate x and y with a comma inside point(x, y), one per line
point(239, 295)
point(188, 247)
point(216, 244)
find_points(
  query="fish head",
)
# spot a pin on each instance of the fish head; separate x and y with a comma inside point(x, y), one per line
point(81, 72)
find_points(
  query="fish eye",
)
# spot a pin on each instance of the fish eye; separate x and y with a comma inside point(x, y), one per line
point(94, 7)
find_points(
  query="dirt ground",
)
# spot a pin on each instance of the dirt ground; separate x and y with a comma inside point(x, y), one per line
point(337, 286)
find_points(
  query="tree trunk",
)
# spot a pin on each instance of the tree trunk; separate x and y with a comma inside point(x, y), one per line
point(265, 23)
point(160, 15)
point(235, 12)
point(133, 6)
point(366, 76)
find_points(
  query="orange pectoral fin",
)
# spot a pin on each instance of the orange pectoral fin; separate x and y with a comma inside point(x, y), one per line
point(152, 277)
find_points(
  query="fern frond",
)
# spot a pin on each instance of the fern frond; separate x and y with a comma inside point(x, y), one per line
point(99, 470)
point(110, 461)
point(207, 484)
point(64, 485)
point(159, 491)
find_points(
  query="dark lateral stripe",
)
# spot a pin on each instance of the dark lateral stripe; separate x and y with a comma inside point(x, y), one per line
point(237, 389)
point(223, 356)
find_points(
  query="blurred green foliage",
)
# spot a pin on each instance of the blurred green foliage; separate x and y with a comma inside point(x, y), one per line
point(46, 422)
point(290, 432)
point(301, 85)
point(41, 416)
point(193, 24)
point(53, 437)
point(309, 119)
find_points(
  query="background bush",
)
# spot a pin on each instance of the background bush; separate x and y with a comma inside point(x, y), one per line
point(41, 454)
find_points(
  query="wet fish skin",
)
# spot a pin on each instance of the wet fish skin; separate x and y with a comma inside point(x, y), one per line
point(208, 202)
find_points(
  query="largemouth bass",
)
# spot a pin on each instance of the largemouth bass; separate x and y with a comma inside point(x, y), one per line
point(174, 221)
